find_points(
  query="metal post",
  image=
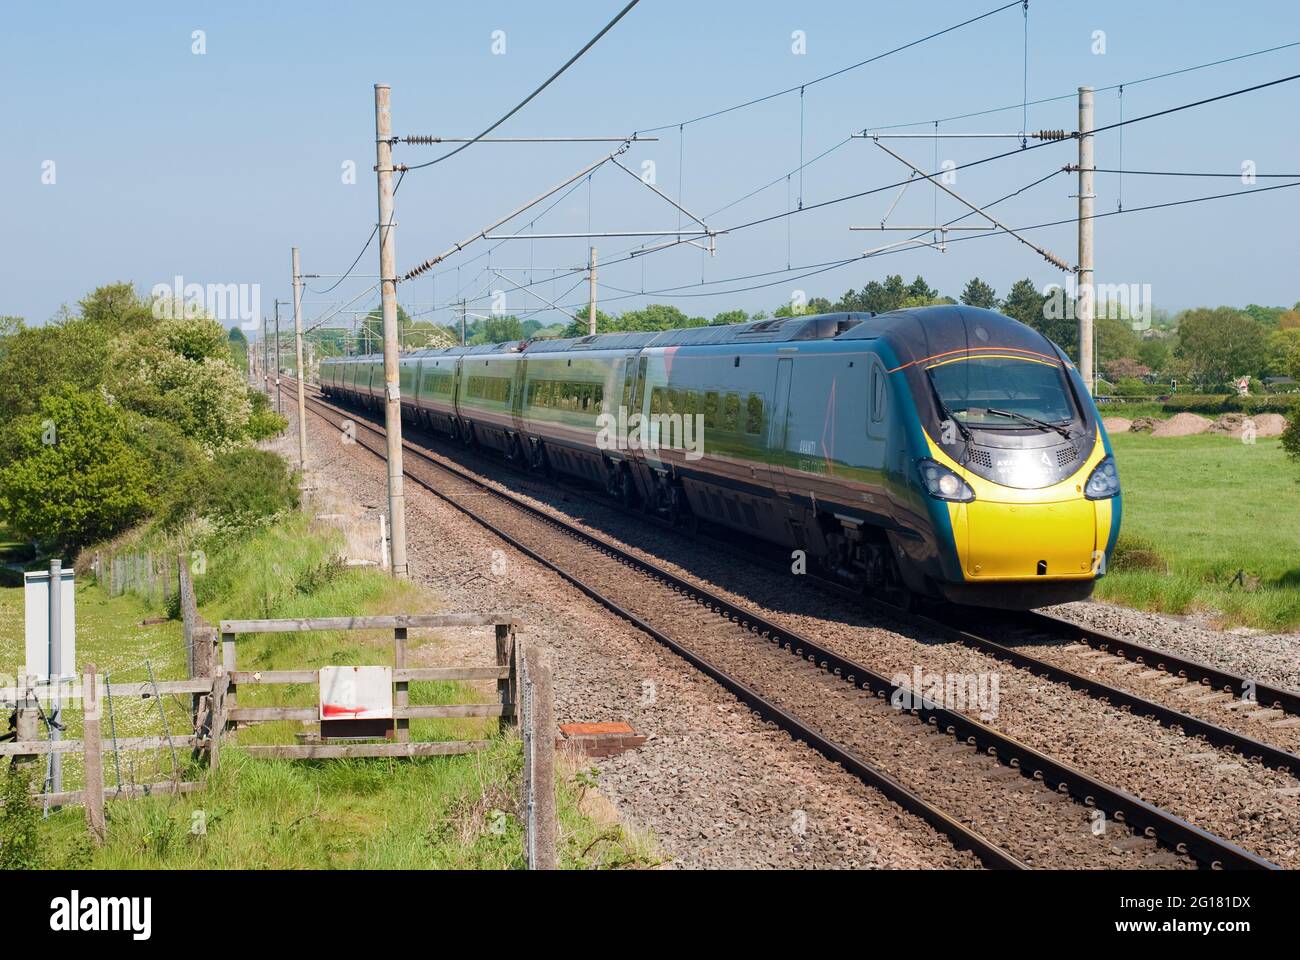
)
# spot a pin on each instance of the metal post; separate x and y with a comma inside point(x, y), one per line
point(388, 282)
point(591, 296)
point(462, 323)
point(266, 357)
point(56, 673)
point(278, 408)
point(301, 373)
point(1084, 295)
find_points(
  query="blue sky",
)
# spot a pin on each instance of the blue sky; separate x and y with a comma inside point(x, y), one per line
point(212, 166)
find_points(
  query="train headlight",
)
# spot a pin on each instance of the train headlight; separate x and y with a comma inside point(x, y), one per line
point(1104, 481)
point(942, 484)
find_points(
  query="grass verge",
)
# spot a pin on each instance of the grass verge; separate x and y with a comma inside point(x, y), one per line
point(1210, 525)
point(438, 812)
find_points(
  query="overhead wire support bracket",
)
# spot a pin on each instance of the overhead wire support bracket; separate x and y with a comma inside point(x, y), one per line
point(421, 140)
point(1046, 254)
point(537, 295)
point(456, 248)
point(1032, 135)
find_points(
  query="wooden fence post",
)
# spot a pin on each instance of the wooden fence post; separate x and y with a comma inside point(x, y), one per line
point(401, 696)
point(203, 705)
point(220, 689)
point(92, 750)
point(505, 640)
point(228, 662)
point(189, 612)
point(540, 742)
point(28, 724)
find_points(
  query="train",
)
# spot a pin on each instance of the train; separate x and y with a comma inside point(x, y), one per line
point(944, 452)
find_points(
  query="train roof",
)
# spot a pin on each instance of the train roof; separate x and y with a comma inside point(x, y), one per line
point(918, 333)
point(823, 326)
point(914, 334)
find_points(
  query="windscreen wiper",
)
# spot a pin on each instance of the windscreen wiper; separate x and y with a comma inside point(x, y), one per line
point(947, 411)
point(1032, 421)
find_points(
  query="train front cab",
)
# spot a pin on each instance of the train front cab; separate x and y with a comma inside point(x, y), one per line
point(1019, 517)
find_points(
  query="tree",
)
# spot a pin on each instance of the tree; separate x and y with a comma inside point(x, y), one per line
point(1220, 344)
point(237, 343)
point(69, 476)
point(370, 335)
point(1268, 316)
point(36, 360)
point(730, 316)
point(1154, 353)
point(115, 309)
point(1025, 303)
point(876, 297)
point(1291, 436)
point(498, 330)
point(1115, 339)
point(179, 370)
point(1283, 353)
point(1124, 369)
point(922, 291)
point(979, 294)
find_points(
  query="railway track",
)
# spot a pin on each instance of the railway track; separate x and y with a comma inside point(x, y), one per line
point(1227, 710)
point(1006, 802)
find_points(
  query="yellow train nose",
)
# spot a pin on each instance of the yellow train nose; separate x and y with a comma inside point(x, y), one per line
point(1021, 541)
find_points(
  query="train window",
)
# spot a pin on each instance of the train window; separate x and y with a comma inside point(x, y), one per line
point(878, 394)
point(754, 414)
point(675, 404)
point(657, 400)
point(691, 399)
point(710, 409)
point(731, 412)
point(627, 388)
point(598, 397)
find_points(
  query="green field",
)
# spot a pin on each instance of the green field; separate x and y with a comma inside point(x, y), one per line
point(1199, 509)
point(457, 811)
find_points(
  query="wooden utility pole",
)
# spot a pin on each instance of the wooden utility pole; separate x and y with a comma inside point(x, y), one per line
point(388, 286)
point(591, 296)
point(266, 357)
point(278, 408)
point(299, 370)
point(1085, 301)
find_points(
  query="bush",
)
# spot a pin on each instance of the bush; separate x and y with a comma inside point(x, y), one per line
point(1291, 435)
point(1216, 403)
point(20, 821)
point(170, 455)
point(237, 488)
point(69, 474)
point(263, 422)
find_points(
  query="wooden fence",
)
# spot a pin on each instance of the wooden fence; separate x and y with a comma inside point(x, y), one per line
point(226, 713)
point(143, 573)
point(214, 681)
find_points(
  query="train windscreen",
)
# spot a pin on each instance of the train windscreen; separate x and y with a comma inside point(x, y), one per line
point(982, 391)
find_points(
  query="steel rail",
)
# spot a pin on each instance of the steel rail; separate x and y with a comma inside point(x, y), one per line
point(1219, 679)
point(1144, 818)
point(1247, 746)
